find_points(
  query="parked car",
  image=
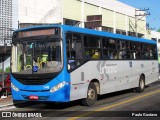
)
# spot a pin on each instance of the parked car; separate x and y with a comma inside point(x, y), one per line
point(7, 82)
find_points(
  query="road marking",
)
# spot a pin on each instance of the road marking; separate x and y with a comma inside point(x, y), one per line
point(8, 108)
point(6, 105)
point(114, 105)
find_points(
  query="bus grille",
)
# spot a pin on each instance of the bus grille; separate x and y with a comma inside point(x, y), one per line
point(34, 81)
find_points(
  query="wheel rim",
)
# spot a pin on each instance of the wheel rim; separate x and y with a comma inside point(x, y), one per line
point(142, 84)
point(91, 94)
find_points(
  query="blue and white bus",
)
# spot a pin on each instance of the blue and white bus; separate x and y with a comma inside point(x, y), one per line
point(60, 63)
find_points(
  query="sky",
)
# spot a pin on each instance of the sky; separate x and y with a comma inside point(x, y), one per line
point(154, 8)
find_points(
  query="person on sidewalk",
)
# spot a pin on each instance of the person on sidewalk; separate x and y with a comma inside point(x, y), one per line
point(1, 90)
point(2, 93)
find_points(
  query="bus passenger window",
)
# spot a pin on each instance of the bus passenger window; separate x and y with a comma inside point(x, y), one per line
point(145, 55)
point(153, 52)
point(120, 55)
point(108, 43)
point(96, 55)
point(87, 54)
point(111, 55)
point(138, 55)
point(74, 50)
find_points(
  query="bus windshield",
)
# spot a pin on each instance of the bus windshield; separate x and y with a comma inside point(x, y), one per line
point(37, 56)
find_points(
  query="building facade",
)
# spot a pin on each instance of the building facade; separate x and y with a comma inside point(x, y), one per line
point(106, 15)
point(8, 22)
point(156, 36)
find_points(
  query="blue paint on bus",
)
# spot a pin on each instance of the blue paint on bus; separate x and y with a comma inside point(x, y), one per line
point(43, 91)
point(91, 32)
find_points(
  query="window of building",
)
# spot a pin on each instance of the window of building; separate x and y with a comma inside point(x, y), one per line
point(132, 34)
point(155, 39)
point(122, 32)
point(140, 35)
point(70, 22)
point(107, 29)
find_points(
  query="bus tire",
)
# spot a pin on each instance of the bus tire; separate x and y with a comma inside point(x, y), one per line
point(141, 86)
point(91, 95)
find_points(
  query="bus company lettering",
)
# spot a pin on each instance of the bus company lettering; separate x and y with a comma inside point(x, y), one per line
point(108, 68)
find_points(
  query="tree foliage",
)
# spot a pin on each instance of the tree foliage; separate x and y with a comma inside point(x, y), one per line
point(159, 30)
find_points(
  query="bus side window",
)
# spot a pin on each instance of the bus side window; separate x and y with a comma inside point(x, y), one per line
point(92, 47)
point(96, 54)
point(74, 50)
point(153, 52)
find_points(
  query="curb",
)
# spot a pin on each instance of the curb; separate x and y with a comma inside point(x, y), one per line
point(6, 105)
point(10, 105)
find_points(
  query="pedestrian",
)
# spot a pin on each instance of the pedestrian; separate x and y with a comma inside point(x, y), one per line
point(2, 93)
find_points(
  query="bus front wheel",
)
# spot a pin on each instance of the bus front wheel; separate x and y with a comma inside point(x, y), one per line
point(141, 86)
point(91, 95)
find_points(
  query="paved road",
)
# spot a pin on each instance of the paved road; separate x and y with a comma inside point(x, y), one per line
point(122, 105)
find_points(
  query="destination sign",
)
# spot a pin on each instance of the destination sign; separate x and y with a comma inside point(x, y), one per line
point(53, 31)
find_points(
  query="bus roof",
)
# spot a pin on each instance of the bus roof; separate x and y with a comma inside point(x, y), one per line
point(91, 32)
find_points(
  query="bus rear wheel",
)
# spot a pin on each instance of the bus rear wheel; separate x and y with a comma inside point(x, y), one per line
point(91, 95)
point(141, 86)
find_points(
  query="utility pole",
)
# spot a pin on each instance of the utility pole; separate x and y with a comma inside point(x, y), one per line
point(149, 28)
point(139, 16)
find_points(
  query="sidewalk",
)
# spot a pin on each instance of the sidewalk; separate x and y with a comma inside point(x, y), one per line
point(6, 101)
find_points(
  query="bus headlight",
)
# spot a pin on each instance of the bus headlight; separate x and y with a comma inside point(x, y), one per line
point(57, 87)
point(14, 87)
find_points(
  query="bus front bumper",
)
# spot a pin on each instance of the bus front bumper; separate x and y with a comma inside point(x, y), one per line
point(62, 95)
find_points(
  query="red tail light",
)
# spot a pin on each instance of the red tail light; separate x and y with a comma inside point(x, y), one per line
point(33, 97)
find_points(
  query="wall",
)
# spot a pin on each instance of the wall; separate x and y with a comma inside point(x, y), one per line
point(40, 11)
point(156, 35)
point(114, 14)
point(72, 9)
point(107, 18)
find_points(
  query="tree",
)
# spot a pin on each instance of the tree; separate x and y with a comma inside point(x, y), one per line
point(159, 30)
point(7, 69)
